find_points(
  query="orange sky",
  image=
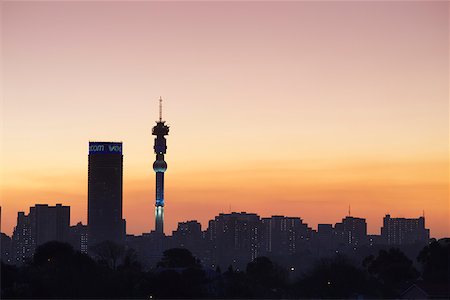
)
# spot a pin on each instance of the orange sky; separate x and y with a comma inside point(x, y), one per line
point(275, 108)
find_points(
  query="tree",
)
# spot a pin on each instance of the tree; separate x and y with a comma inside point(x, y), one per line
point(391, 269)
point(110, 253)
point(57, 271)
point(178, 258)
point(267, 278)
point(435, 260)
point(332, 278)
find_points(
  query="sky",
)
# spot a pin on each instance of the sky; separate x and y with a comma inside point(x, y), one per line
point(293, 108)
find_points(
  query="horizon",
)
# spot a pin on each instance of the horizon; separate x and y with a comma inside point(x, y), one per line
point(297, 108)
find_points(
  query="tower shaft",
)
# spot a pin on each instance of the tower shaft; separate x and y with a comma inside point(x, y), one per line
point(160, 166)
point(159, 205)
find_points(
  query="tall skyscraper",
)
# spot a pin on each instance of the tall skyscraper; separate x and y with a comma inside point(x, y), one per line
point(105, 173)
point(160, 166)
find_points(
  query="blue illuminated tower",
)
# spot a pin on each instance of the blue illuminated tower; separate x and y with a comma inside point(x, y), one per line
point(160, 166)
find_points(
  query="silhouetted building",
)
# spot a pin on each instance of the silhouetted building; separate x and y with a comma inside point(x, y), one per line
point(105, 173)
point(234, 239)
point(49, 223)
point(374, 240)
point(325, 230)
point(43, 224)
point(79, 237)
point(149, 247)
point(325, 236)
point(403, 231)
point(188, 235)
point(282, 235)
point(160, 166)
point(5, 245)
point(21, 239)
point(352, 231)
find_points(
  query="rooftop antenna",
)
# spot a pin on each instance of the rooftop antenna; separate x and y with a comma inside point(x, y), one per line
point(160, 109)
point(423, 213)
point(349, 214)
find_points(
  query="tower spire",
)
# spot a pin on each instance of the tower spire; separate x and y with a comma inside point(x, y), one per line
point(160, 109)
point(349, 213)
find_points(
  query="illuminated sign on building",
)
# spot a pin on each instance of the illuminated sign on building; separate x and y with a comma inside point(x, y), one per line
point(105, 148)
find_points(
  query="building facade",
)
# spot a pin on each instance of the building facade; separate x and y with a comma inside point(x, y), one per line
point(105, 181)
point(234, 238)
point(43, 224)
point(282, 235)
point(404, 231)
point(352, 231)
point(79, 237)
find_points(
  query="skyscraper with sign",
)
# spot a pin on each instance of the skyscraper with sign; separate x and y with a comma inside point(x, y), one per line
point(105, 173)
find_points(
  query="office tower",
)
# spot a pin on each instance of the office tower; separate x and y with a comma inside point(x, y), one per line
point(79, 237)
point(282, 235)
point(43, 224)
point(402, 231)
point(235, 238)
point(352, 231)
point(160, 166)
point(105, 173)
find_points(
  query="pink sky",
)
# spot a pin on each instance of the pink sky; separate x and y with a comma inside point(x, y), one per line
point(294, 108)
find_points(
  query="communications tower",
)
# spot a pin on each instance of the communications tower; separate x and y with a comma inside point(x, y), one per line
point(160, 166)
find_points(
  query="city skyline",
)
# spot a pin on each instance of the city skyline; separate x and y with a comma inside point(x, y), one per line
point(291, 109)
point(316, 229)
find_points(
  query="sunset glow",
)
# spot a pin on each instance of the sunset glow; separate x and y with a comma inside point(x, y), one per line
point(294, 108)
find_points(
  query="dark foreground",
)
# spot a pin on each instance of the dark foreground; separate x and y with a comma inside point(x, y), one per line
point(57, 271)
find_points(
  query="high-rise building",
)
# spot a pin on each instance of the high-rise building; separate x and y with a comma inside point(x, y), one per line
point(21, 239)
point(235, 238)
point(403, 231)
point(79, 237)
point(160, 166)
point(352, 231)
point(43, 224)
point(282, 235)
point(49, 223)
point(105, 173)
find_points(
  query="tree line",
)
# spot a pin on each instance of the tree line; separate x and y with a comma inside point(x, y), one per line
point(57, 271)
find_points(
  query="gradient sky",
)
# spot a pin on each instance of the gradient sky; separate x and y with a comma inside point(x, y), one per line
point(295, 108)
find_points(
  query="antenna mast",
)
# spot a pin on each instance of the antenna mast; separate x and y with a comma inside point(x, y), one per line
point(160, 109)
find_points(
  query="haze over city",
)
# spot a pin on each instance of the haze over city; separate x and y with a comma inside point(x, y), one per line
point(298, 109)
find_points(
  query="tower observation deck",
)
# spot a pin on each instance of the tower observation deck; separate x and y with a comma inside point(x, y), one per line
point(160, 166)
